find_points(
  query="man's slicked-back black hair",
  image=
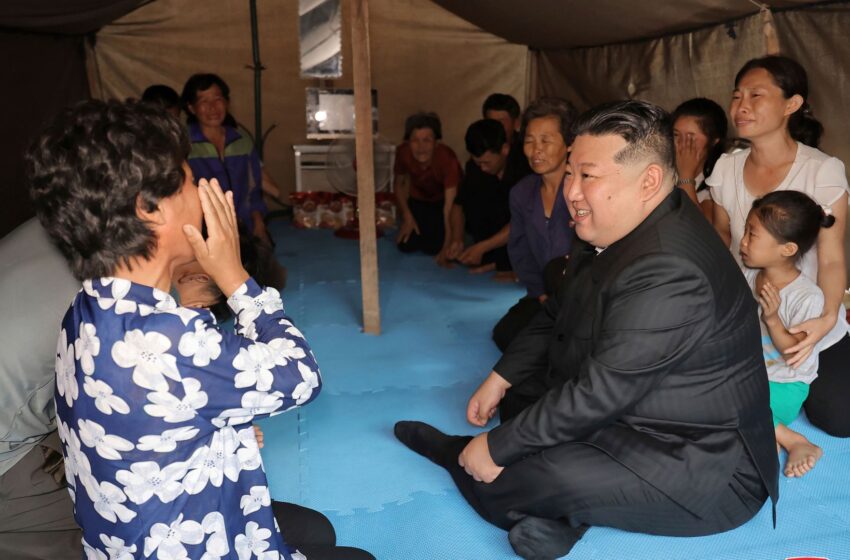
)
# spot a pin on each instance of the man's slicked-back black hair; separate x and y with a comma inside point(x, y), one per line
point(646, 128)
point(90, 169)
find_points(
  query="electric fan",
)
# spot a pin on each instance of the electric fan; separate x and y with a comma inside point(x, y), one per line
point(342, 176)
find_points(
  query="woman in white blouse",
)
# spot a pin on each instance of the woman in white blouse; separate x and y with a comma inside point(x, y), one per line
point(770, 110)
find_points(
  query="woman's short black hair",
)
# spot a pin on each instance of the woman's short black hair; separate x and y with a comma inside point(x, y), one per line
point(90, 169)
point(203, 82)
point(792, 217)
point(790, 76)
point(556, 107)
point(423, 119)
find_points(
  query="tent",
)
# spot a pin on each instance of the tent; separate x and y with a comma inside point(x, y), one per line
point(442, 55)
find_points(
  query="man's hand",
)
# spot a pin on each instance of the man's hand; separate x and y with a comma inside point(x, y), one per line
point(484, 402)
point(449, 253)
point(218, 254)
point(408, 226)
point(477, 462)
point(472, 255)
point(815, 330)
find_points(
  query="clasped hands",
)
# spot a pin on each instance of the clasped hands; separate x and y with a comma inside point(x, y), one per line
point(475, 457)
point(455, 251)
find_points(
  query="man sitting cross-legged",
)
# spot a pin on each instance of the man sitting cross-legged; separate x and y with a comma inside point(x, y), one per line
point(638, 398)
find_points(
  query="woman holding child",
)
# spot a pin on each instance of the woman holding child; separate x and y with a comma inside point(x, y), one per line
point(770, 110)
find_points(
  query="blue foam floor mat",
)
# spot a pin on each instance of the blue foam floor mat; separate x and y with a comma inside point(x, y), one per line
point(338, 454)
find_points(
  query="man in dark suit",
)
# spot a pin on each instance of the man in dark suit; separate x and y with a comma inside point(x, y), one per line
point(638, 398)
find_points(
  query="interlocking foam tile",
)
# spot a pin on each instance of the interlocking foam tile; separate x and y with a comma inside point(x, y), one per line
point(405, 355)
point(427, 526)
point(353, 459)
point(339, 455)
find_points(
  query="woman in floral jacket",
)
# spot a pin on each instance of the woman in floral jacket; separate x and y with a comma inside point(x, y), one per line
point(154, 401)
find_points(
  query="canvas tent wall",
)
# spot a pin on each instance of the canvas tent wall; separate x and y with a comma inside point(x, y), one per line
point(667, 51)
point(424, 56)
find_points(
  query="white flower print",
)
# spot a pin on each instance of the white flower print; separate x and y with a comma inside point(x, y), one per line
point(93, 553)
point(146, 354)
point(268, 301)
point(168, 540)
point(304, 390)
point(87, 346)
point(253, 403)
point(254, 364)
point(119, 288)
point(257, 497)
point(285, 349)
point(66, 380)
point(108, 500)
point(254, 541)
point(107, 446)
point(184, 313)
point(216, 546)
point(249, 453)
point(171, 409)
point(212, 464)
point(104, 399)
point(290, 328)
point(298, 556)
point(116, 548)
point(167, 440)
point(202, 345)
point(145, 479)
point(77, 464)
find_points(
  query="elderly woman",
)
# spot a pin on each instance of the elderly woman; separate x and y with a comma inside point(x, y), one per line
point(154, 403)
point(541, 234)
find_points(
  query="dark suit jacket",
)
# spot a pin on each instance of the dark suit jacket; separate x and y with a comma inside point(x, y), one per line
point(652, 353)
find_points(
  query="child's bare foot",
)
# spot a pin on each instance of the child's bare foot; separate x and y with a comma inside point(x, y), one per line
point(482, 269)
point(802, 454)
point(802, 457)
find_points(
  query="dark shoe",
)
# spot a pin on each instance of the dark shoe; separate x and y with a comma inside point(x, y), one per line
point(536, 538)
point(430, 442)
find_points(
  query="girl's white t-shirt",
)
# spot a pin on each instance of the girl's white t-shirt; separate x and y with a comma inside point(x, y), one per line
point(813, 172)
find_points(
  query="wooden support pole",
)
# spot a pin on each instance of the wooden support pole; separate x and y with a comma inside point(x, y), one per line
point(365, 165)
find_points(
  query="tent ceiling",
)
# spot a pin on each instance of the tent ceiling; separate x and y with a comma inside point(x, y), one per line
point(562, 24)
point(62, 16)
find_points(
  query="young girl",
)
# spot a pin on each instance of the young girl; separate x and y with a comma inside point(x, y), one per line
point(770, 110)
point(780, 228)
point(699, 132)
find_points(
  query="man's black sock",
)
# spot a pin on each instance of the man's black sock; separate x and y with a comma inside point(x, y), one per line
point(430, 442)
point(536, 538)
